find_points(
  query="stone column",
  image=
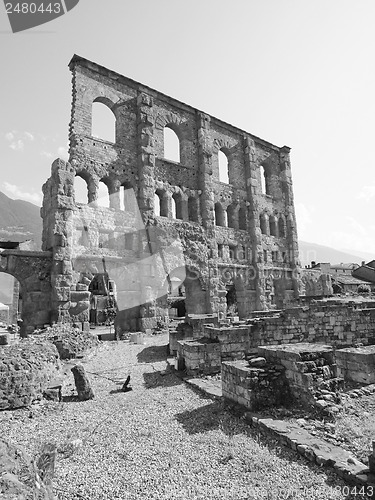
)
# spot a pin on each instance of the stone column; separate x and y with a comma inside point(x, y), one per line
point(206, 204)
point(291, 229)
point(252, 185)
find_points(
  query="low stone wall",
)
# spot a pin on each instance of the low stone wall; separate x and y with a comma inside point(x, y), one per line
point(235, 342)
point(309, 368)
point(199, 356)
point(339, 324)
point(255, 388)
point(193, 327)
point(26, 370)
point(357, 364)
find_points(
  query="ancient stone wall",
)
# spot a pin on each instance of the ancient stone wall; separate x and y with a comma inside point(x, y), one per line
point(33, 272)
point(328, 323)
point(26, 369)
point(223, 238)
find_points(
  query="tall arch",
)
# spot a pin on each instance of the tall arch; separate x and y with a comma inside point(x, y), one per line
point(80, 189)
point(264, 180)
point(220, 215)
point(160, 203)
point(103, 120)
point(273, 226)
point(128, 201)
point(102, 199)
point(171, 144)
point(223, 166)
point(264, 224)
point(177, 202)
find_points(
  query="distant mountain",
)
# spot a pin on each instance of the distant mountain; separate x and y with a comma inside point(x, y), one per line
point(19, 221)
point(309, 252)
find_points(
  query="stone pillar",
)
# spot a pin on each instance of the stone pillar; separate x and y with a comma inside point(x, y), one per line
point(207, 203)
point(57, 212)
point(252, 185)
point(291, 229)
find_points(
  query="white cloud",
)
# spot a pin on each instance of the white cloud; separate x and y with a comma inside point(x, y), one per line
point(29, 136)
point(9, 136)
point(47, 154)
point(15, 192)
point(16, 139)
point(17, 145)
point(367, 193)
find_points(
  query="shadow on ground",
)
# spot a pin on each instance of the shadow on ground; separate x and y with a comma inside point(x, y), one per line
point(153, 354)
point(203, 419)
point(160, 379)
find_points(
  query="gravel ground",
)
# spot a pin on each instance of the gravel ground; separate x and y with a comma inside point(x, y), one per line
point(162, 440)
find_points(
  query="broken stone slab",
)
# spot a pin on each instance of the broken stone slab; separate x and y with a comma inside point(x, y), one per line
point(82, 383)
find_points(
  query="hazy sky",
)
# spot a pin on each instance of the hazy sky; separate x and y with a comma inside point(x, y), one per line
point(299, 73)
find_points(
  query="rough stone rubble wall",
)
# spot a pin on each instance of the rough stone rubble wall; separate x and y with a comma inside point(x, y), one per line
point(258, 255)
point(26, 369)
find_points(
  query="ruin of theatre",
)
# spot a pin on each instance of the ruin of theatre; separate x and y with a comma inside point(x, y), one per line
point(213, 227)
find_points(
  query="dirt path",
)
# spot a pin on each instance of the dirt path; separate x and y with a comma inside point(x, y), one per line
point(162, 440)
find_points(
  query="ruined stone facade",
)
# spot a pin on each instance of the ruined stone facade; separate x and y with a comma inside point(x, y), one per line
point(231, 242)
point(235, 239)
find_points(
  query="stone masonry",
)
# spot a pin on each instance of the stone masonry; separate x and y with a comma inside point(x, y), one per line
point(233, 237)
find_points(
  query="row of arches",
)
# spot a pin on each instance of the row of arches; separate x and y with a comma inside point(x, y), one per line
point(176, 206)
point(272, 225)
point(105, 194)
point(103, 126)
point(234, 216)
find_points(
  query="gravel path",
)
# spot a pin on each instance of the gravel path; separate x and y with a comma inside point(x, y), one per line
point(161, 441)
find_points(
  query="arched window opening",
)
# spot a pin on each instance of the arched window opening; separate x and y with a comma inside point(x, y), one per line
point(103, 195)
point(273, 226)
point(171, 145)
point(223, 167)
point(128, 201)
point(156, 204)
point(193, 209)
point(174, 208)
point(264, 224)
point(281, 227)
point(161, 204)
point(242, 218)
point(264, 180)
point(220, 215)
point(80, 190)
point(176, 198)
point(231, 212)
point(103, 122)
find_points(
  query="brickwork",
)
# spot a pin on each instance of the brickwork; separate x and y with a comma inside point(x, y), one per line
point(26, 370)
point(259, 263)
point(357, 364)
point(339, 324)
point(252, 387)
point(199, 356)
